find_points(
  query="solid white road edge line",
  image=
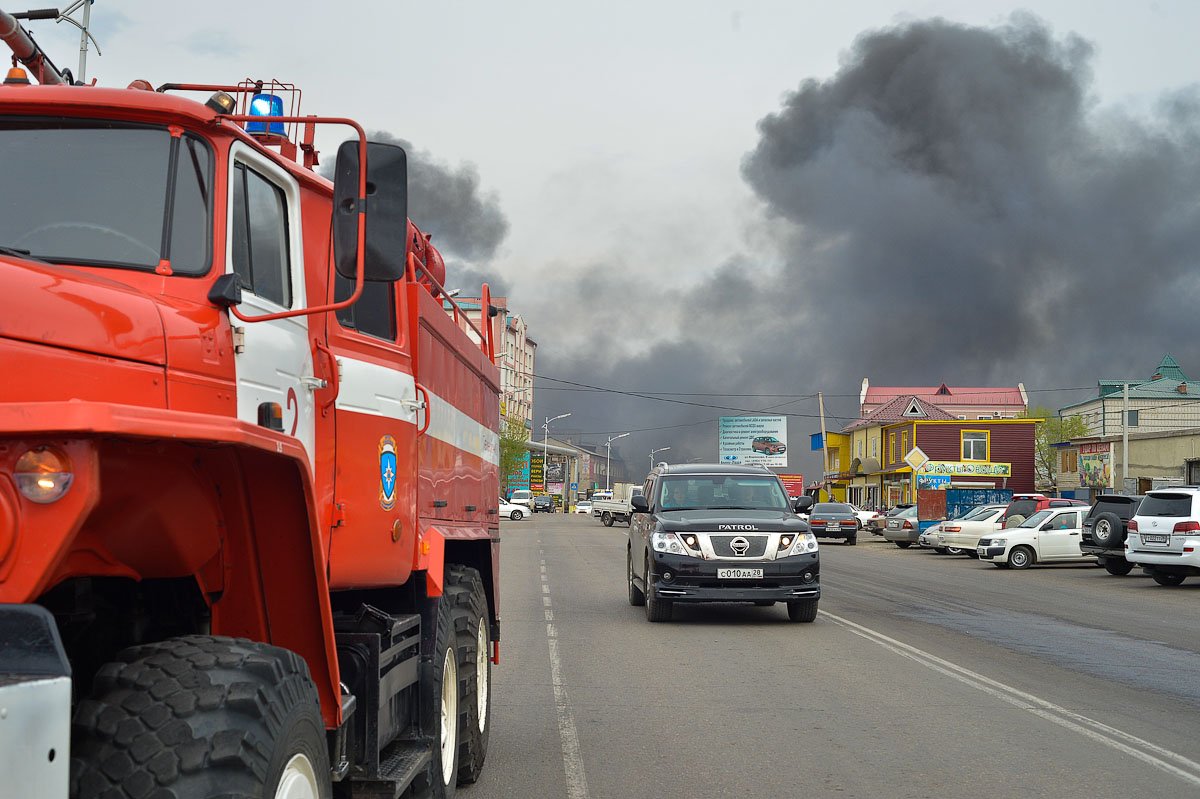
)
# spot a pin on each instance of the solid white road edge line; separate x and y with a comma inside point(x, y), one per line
point(567, 733)
point(1056, 714)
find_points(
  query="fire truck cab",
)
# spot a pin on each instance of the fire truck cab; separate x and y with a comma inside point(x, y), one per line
point(249, 539)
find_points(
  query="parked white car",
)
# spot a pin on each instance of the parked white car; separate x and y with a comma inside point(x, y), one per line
point(1048, 536)
point(868, 519)
point(1164, 535)
point(522, 497)
point(510, 510)
point(963, 534)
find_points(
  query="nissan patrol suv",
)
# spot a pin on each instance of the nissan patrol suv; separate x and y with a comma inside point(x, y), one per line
point(720, 533)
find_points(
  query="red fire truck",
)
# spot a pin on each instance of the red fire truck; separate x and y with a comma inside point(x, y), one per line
point(248, 456)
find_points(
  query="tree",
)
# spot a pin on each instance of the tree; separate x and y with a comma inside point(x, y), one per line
point(513, 435)
point(1046, 434)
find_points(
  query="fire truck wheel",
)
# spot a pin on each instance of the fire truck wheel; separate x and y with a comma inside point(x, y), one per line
point(441, 691)
point(200, 717)
point(469, 606)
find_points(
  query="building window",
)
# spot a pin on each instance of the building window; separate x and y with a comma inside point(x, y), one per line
point(860, 449)
point(1133, 418)
point(1068, 461)
point(875, 448)
point(975, 445)
point(892, 447)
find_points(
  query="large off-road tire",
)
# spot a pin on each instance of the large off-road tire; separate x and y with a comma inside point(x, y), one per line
point(802, 610)
point(472, 629)
point(1021, 557)
point(441, 706)
point(201, 717)
point(1117, 567)
point(637, 597)
point(903, 544)
point(1169, 580)
point(1108, 530)
point(656, 609)
point(607, 518)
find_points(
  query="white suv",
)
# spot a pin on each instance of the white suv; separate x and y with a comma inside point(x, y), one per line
point(1164, 536)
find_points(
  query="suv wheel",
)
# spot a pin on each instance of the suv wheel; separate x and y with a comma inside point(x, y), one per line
point(1108, 530)
point(1021, 557)
point(802, 610)
point(1167, 579)
point(1117, 567)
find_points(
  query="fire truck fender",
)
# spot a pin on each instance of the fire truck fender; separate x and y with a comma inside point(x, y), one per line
point(271, 571)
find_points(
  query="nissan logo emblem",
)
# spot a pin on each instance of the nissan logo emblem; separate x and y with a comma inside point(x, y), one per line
point(739, 546)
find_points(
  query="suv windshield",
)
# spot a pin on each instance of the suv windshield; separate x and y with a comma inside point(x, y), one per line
point(106, 194)
point(741, 492)
point(1125, 507)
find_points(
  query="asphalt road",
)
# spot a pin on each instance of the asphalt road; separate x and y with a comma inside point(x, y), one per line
point(923, 676)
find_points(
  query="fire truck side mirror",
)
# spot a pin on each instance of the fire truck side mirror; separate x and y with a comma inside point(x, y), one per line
point(386, 218)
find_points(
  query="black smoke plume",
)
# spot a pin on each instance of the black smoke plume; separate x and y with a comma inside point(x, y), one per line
point(953, 205)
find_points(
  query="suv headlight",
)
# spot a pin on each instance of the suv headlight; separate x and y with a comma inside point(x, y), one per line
point(670, 542)
point(798, 544)
point(999, 542)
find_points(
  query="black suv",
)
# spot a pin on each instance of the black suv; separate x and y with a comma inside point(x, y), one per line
point(1104, 530)
point(720, 533)
point(542, 503)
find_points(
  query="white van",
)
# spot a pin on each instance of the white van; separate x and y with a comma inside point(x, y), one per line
point(521, 496)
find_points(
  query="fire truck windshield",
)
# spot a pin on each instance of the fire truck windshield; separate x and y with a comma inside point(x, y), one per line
point(106, 194)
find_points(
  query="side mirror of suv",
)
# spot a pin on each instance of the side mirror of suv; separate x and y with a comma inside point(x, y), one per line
point(638, 504)
point(802, 504)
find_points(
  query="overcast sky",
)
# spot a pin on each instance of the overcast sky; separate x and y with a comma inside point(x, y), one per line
point(762, 197)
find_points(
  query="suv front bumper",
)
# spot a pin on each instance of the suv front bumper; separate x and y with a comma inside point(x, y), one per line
point(696, 580)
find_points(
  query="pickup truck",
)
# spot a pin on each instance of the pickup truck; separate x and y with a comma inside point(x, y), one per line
point(618, 508)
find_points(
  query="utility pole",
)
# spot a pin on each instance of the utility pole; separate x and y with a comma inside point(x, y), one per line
point(824, 448)
point(1125, 438)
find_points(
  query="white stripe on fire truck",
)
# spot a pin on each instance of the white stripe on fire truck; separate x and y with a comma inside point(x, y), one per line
point(382, 391)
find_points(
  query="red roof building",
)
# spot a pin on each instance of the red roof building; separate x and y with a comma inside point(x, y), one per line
point(961, 402)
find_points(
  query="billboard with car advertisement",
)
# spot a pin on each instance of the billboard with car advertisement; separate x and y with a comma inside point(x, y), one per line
point(760, 440)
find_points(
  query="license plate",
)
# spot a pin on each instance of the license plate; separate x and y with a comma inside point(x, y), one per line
point(831, 526)
point(739, 574)
point(1151, 538)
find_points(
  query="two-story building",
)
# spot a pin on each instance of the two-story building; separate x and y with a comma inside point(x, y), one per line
point(910, 442)
point(1167, 401)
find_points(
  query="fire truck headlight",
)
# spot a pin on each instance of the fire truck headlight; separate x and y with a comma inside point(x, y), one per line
point(43, 475)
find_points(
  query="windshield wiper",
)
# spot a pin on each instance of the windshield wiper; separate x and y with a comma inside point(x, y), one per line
point(20, 253)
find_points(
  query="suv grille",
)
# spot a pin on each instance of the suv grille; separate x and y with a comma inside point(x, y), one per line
point(722, 549)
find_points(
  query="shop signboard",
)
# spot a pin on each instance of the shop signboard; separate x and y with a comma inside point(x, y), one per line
point(759, 440)
point(1095, 465)
point(967, 469)
point(537, 472)
point(519, 476)
point(793, 484)
point(555, 469)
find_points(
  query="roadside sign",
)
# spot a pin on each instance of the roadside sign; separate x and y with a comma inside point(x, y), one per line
point(916, 459)
point(574, 486)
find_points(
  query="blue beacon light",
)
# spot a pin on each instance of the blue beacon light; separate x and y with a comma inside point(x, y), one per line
point(266, 105)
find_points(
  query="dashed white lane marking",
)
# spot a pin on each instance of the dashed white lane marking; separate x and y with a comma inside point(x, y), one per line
point(567, 733)
point(1151, 754)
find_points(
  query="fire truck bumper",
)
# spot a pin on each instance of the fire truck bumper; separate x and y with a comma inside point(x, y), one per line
point(35, 704)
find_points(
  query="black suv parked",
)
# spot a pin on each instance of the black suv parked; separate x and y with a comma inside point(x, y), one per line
point(542, 503)
point(720, 533)
point(1104, 530)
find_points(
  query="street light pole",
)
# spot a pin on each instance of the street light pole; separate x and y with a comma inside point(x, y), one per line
point(654, 452)
point(608, 467)
point(546, 446)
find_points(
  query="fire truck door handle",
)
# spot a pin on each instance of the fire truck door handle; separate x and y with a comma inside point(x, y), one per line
point(335, 373)
point(423, 403)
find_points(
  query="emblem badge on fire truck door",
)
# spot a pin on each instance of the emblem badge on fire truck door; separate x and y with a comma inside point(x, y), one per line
point(387, 472)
